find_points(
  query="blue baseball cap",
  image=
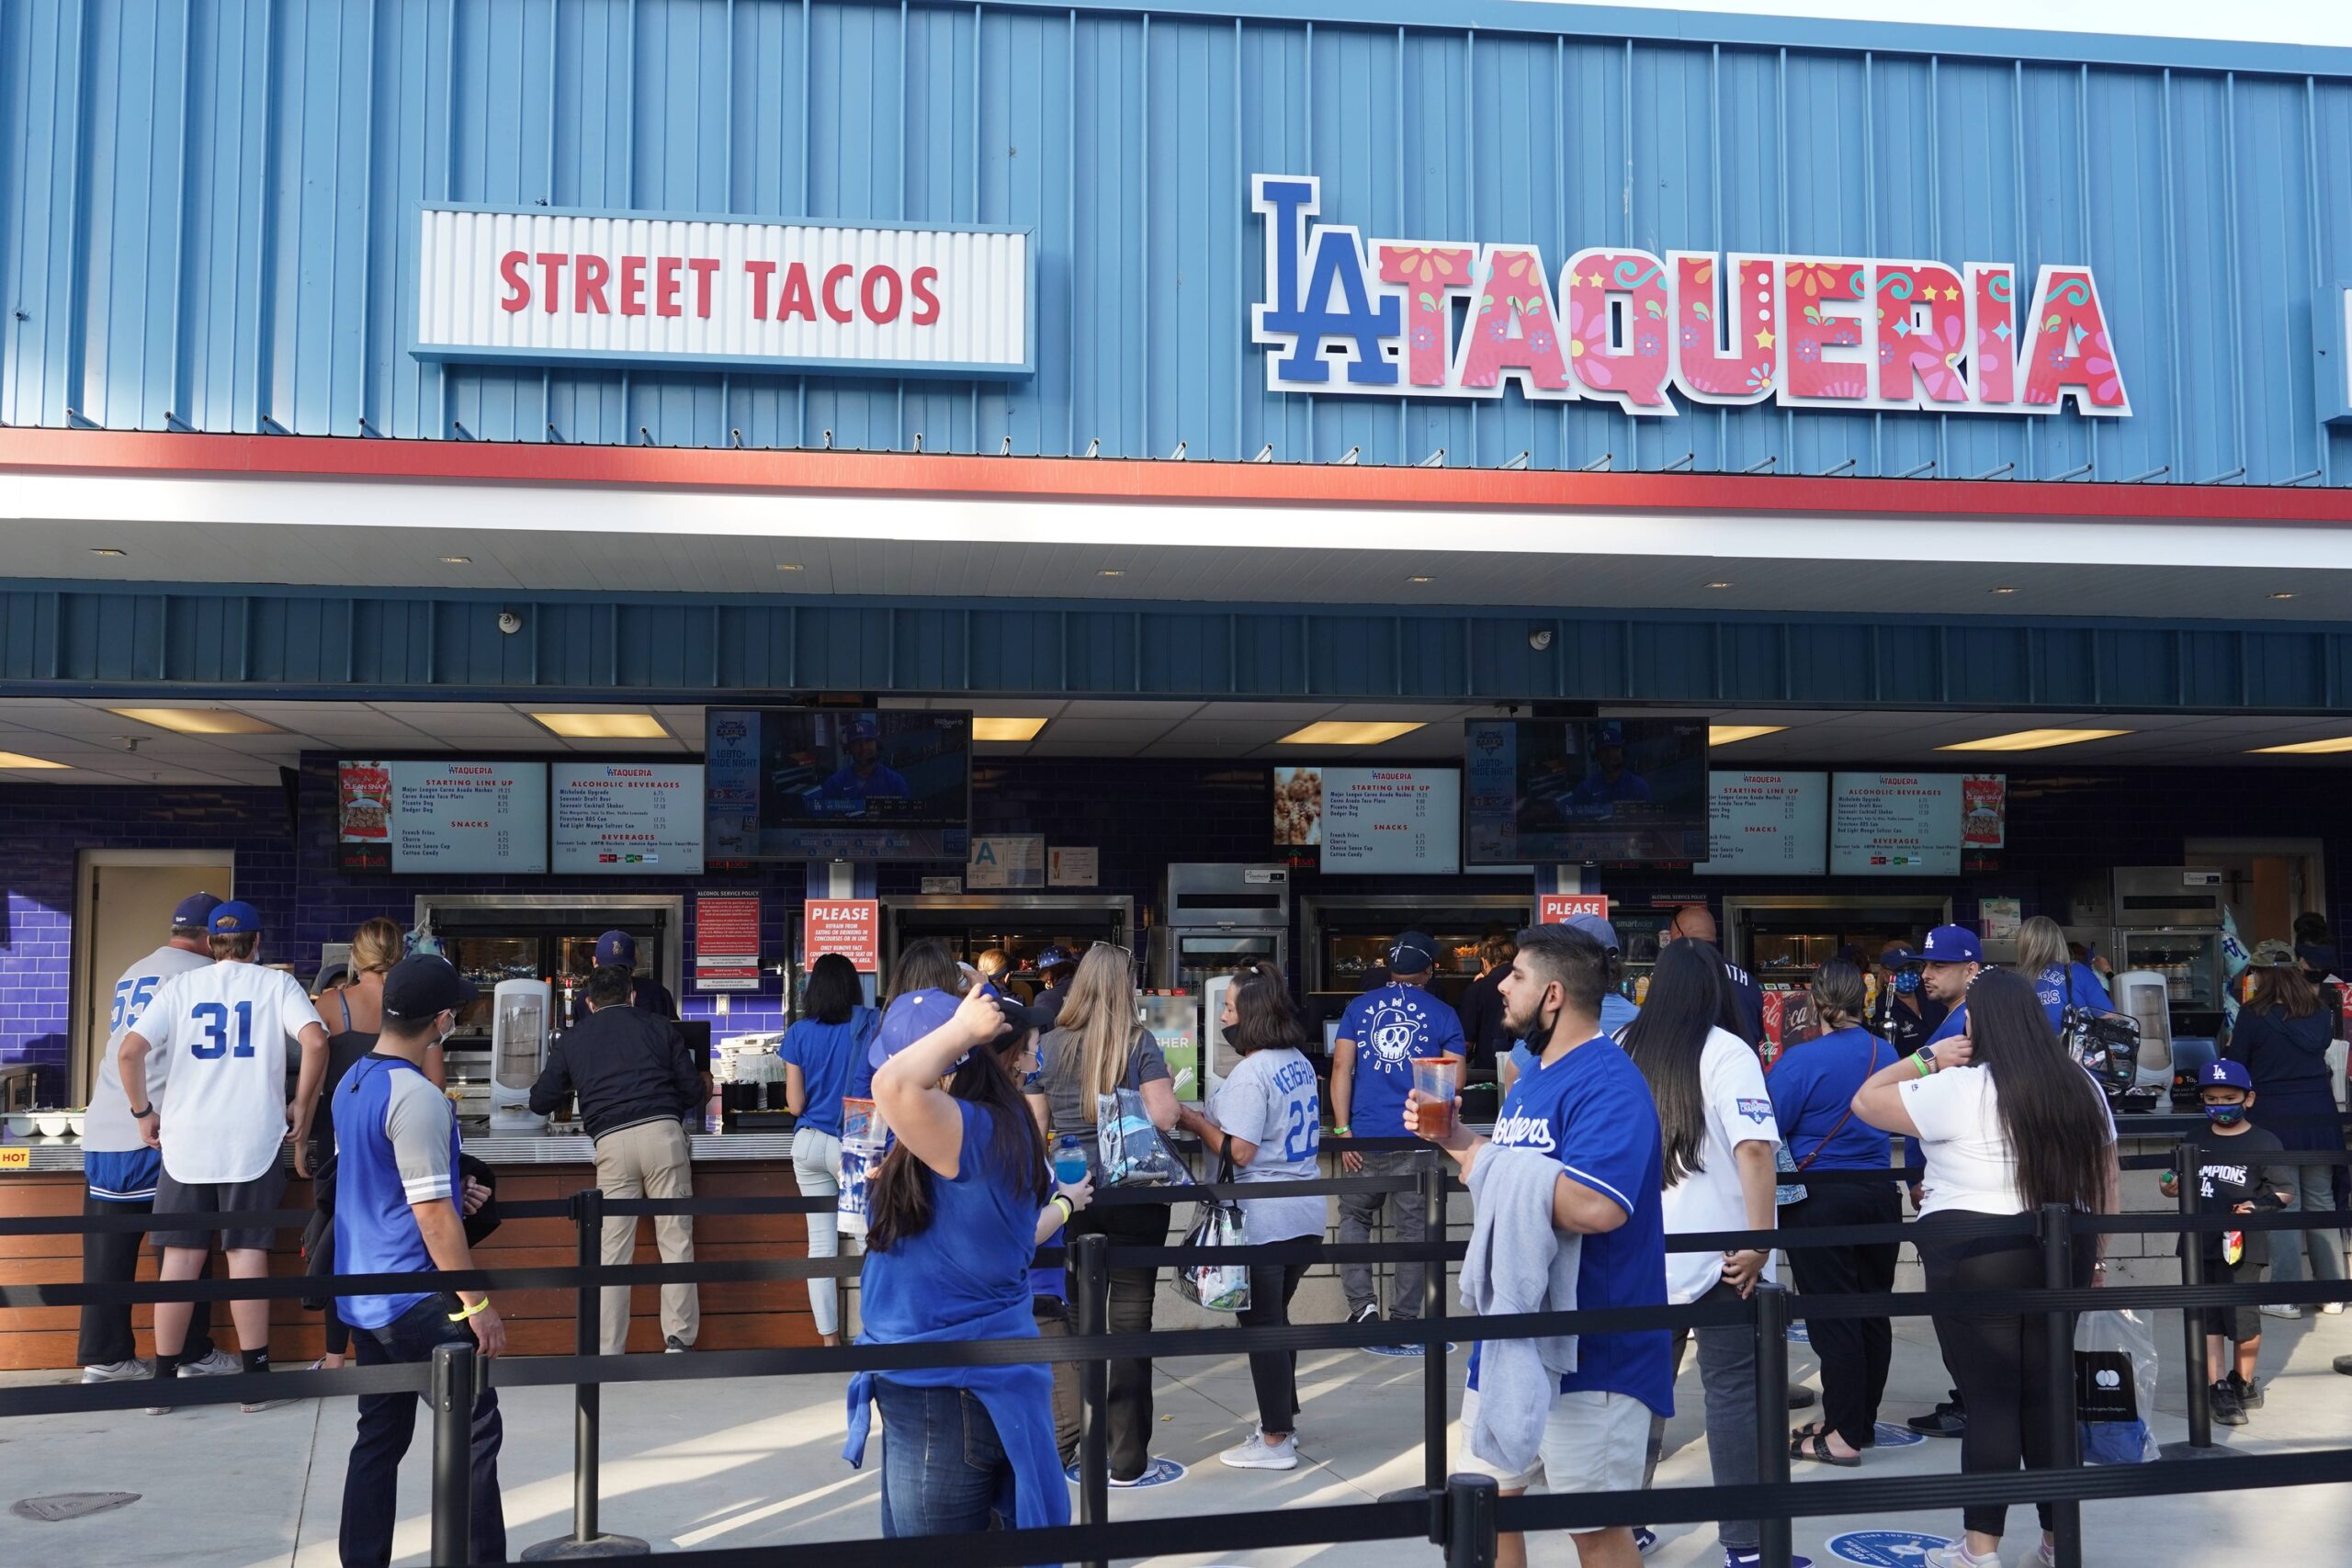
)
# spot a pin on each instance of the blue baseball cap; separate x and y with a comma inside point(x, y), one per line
point(1598, 928)
point(1412, 953)
point(1609, 733)
point(616, 949)
point(235, 918)
point(918, 1014)
point(2223, 1073)
point(865, 726)
point(1952, 944)
point(1054, 958)
point(195, 911)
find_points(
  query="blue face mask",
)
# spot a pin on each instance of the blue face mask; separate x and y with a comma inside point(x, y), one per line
point(2226, 1115)
point(1905, 982)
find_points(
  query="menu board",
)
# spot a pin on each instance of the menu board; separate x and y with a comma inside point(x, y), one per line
point(1766, 822)
point(1392, 820)
point(629, 819)
point(468, 816)
point(1894, 824)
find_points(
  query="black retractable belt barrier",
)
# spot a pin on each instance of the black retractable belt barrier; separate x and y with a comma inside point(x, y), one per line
point(1470, 1520)
point(2065, 1438)
point(588, 1208)
point(1093, 1270)
point(1433, 1359)
point(2201, 1444)
point(453, 1422)
point(1774, 1539)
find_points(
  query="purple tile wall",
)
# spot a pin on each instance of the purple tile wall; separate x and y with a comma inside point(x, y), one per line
point(2063, 824)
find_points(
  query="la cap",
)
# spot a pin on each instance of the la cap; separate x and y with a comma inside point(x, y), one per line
point(2223, 1073)
point(918, 1014)
point(424, 984)
point(616, 949)
point(1414, 953)
point(196, 909)
point(1899, 955)
point(235, 918)
point(1952, 944)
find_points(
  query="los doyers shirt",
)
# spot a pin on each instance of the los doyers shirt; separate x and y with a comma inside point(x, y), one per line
point(1592, 1111)
point(224, 1029)
point(115, 1161)
point(397, 1147)
point(1390, 1027)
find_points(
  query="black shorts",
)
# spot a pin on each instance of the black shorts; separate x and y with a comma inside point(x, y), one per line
point(2238, 1325)
point(264, 1191)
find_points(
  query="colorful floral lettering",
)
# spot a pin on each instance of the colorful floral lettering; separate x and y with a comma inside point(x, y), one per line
point(1619, 313)
point(2067, 352)
point(1513, 329)
point(1703, 370)
point(1430, 276)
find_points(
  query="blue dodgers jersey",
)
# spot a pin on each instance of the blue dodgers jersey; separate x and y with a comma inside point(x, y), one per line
point(1592, 1112)
point(1390, 1027)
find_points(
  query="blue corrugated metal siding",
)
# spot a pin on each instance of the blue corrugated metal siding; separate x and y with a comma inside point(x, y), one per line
point(302, 643)
point(208, 216)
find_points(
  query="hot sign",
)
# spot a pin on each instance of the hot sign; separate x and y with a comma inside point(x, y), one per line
point(1375, 316)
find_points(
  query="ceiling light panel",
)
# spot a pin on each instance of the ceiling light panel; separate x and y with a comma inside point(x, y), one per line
point(1730, 734)
point(1345, 732)
point(200, 721)
point(2032, 739)
point(1014, 729)
point(604, 726)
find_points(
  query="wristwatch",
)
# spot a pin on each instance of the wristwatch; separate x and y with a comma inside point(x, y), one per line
point(143, 1112)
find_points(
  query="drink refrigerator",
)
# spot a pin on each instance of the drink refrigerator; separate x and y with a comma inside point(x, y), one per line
point(2168, 922)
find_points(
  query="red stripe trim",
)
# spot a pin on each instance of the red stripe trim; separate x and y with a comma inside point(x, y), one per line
point(890, 473)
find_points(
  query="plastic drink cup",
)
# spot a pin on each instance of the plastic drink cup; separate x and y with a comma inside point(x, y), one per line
point(1437, 1080)
point(1070, 1161)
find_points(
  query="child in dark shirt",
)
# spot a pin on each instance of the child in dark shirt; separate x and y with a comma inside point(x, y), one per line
point(2231, 1179)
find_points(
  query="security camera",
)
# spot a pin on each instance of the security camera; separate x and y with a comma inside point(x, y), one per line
point(509, 622)
point(1540, 638)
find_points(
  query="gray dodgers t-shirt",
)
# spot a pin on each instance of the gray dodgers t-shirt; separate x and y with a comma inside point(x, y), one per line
point(1060, 1062)
point(1271, 1099)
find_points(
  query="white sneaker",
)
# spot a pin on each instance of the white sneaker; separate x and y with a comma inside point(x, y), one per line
point(2292, 1314)
point(2333, 1309)
point(218, 1364)
point(1259, 1454)
point(118, 1372)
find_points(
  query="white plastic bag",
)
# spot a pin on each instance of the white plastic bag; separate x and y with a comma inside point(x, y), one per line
point(2115, 1387)
point(1219, 1287)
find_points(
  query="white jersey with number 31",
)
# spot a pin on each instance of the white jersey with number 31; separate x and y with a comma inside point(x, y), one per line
point(224, 1028)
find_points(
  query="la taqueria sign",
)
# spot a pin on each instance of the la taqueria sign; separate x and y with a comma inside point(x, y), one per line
point(1344, 314)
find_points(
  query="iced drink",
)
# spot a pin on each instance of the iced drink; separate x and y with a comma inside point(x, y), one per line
point(1437, 1080)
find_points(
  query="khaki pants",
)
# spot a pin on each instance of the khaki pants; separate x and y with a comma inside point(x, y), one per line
point(648, 1161)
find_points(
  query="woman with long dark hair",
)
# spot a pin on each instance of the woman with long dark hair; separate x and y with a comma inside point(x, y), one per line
point(2007, 1122)
point(1812, 1086)
point(2282, 1035)
point(822, 1052)
point(1267, 1118)
point(953, 1213)
point(1716, 1128)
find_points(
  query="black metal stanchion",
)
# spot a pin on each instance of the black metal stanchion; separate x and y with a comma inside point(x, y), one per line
point(1774, 1538)
point(453, 1472)
point(1090, 1259)
point(587, 1539)
point(1434, 1358)
point(2201, 1444)
point(2065, 1437)
point(1469, 1507)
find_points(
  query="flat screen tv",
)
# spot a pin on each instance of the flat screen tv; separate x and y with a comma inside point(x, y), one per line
point(837, 783)
point(1556, 790)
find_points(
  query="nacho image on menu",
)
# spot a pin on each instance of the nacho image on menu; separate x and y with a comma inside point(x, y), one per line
point(364, 792)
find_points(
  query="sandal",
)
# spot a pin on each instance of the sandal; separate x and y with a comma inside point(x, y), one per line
point(1810, 1429)
point(1815, 1447)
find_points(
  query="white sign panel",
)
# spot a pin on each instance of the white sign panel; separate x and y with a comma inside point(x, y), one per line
point(615, 290)
point(1894, 825)
point(1392, 820)
point(625, 818)
point(1073, 865)
point(1006, 860)
point(470, 817)
point(1767, 822)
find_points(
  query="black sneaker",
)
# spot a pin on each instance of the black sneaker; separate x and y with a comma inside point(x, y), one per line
point(2221, 1401)
point(2250, 1395)
point(1368, 1313)
point(1947, 1420)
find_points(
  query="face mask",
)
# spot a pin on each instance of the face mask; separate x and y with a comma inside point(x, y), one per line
point(2226, 1115)
point(1905, 982)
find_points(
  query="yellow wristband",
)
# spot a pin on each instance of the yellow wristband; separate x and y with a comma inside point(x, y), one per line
point(480, 1306)
point(1069, 1209)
